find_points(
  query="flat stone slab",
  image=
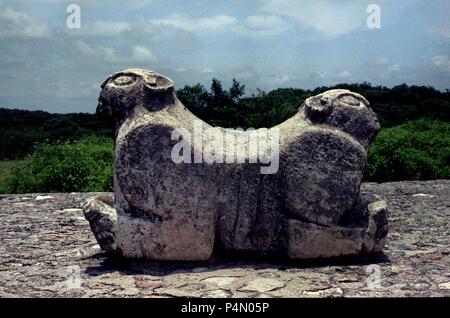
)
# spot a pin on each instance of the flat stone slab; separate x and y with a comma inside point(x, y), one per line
point(48, 250)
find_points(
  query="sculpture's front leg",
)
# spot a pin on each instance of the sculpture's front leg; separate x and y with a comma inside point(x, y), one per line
point(362, 232)
point(102, 217)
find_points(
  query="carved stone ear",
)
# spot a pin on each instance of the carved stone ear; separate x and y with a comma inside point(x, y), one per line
point(108, 78)
point(157, 82)
point(113, 102)
point(102, 86)
point(159, 91)
point(317, 108)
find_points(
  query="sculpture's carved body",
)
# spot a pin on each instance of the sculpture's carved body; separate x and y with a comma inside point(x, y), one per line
point(311, 207)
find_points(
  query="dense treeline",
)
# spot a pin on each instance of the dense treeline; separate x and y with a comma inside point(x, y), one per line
point(22, 131)
point(62, 155)
point(394, 106)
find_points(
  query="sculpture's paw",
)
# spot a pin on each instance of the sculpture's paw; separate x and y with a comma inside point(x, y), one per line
point(101, 214)
point(377, 227)
point(363, 232)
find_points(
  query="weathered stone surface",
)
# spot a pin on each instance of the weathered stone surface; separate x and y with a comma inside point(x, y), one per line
point(262, 285)
point(43, 239)
point(309, 207)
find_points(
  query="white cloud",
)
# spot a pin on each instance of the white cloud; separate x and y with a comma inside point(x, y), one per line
point(394, 68)
point(139, 54)
point(344, 75)
point(105, 53)
point(254, 26)
point(86, 48)
point(382, 61)
point(142, 54)
point(442, 62)
point(261, 26)
point(383, 66)
point(330, 77)
point(102, 28)
point(263, 22)
point(207, 71)
point(244, 75)
point(20, 25)
point(329, 17)
point(276, 80)
point(131, 4)
point(441, 30)
point(197, 24)
point(109, 28)
point(137, 4)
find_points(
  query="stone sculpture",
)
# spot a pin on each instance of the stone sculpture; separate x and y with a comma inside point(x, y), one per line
point(311, 207)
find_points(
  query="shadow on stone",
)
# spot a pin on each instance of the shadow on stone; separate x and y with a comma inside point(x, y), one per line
point(127, 266)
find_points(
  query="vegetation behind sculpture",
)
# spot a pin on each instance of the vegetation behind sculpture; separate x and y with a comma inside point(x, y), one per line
point(60, 155)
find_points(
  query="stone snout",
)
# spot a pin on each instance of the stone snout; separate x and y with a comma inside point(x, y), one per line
point(172, 204)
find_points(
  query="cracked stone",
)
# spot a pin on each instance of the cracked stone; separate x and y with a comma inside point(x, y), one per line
point(262, 285)
point(329, 292)
point(217, 294)
point(220, 281)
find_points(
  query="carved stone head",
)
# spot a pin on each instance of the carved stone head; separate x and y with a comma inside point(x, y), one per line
point(123, 91)
point(345, 110)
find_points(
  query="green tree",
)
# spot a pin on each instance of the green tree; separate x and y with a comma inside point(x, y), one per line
point(236, 91)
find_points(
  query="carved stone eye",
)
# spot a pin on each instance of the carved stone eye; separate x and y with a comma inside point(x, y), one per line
point(124, 80)
point(349, 100)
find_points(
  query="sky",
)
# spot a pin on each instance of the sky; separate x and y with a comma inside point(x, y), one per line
point(264, 44)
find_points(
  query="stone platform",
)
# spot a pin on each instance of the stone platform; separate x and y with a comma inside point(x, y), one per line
point(48, 250)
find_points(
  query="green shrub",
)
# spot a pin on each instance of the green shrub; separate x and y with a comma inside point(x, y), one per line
point(417, 150)
point(82, 166)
